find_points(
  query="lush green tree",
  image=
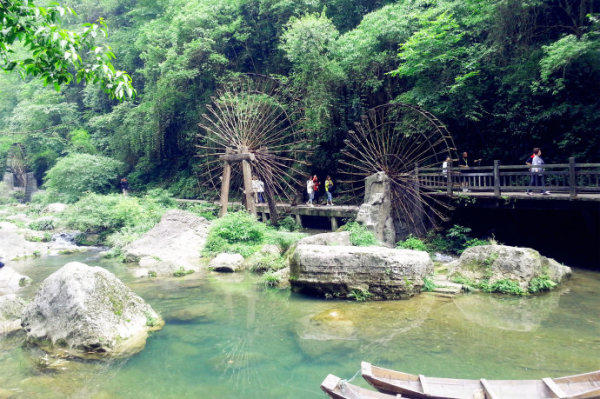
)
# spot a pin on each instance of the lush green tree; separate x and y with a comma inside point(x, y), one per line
point(52, 53)
point(77, 174)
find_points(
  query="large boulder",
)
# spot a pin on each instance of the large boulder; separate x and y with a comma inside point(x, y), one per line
point(173, 244)
point(13, 244)
point(501, 262)
point(87, 312)
point(227, 263)
point(359, 272)
point(11, 307)
point(337, 238)
point(11, 281)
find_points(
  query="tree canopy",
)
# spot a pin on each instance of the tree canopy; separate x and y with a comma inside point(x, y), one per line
point(33, 42)
point(503, 75)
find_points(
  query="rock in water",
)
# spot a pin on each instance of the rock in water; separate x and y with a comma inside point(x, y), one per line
point(10, 314)
point(11, 281)
point(173, 244)
point(227, 263)
point(88, 312)
point(359, 272)
point(501, 262)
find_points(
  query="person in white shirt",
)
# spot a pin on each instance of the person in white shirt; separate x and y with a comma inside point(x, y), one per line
point(310, 191)
point(255, 185)
point(261, 191)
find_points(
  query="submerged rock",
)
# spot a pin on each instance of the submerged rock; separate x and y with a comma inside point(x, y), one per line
point(191, 313)
point(87, 312)
point(172, 244)
point(10, 314)
point(359, 272)
point(501, 262)
point(11, 281)
point(227, 263)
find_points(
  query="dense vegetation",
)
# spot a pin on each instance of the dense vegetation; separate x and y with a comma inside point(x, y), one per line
point(504, 75)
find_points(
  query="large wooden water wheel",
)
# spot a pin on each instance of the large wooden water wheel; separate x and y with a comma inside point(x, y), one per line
point(397, 139)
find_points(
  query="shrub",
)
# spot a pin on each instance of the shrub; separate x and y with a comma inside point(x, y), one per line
point(506, 286)
point(236, 232)
point(359, 235)
point(42, 224)
point(540, 283)
point(270, 279)
point(123, 218)
point(182, 272)
point(455, 240)
point(288, 223)
point(282, 239)
point(268, 262)
point(413, 242)
point(76, 174)
point(428, 284)
point(161, 197)
point(360, 295)
point(6, 196)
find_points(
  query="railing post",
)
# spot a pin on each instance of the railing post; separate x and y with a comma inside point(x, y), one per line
point(496, 178)
point(449, 180)
point(417, 182)
point(572, 178)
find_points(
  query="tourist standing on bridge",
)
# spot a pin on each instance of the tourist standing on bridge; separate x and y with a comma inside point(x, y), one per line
point(537, 172)
point(316, 185)
point(261, 191)
point(464, 166)
point(310, 190)
point(329, 190)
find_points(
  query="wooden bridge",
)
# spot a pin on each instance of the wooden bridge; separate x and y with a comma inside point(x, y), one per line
point(569, 181)
point(566, 183)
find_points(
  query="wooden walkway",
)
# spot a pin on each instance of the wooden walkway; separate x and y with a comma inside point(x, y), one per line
point(570, 181)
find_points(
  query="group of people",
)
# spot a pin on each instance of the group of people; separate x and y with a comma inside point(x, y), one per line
point(534, 161)
point(258, 186)
point(313, 190)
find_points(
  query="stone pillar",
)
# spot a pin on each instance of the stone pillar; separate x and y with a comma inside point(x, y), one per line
point(298, 220)
point(334, 223)
point(30, 186)
point(376, 211)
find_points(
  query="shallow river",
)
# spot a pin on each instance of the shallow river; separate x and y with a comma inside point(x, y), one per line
point(226, 337)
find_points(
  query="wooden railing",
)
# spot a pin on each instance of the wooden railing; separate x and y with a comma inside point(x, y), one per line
point(570, 178)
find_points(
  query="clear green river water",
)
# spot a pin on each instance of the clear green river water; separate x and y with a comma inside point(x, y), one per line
point(226, 337)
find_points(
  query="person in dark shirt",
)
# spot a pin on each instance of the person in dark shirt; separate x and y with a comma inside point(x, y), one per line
point(125, 186)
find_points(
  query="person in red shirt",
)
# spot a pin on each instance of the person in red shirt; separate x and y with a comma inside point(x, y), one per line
point(316, 188)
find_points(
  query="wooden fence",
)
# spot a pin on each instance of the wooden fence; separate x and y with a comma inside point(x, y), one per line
point(570, 178)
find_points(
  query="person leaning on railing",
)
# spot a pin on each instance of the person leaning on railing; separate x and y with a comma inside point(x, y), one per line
point(464, 165)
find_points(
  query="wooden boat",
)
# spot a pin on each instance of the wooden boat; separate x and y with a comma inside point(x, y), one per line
point(581, 386)
point(337, 388)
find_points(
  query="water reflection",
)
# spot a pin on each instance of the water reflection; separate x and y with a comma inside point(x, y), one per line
point(226, 337)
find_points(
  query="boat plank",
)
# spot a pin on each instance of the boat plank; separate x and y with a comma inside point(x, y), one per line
point(554, 388)
point(489, 392)
point(583, 386)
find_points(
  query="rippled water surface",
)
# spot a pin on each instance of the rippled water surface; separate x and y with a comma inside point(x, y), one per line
point(226, 337)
